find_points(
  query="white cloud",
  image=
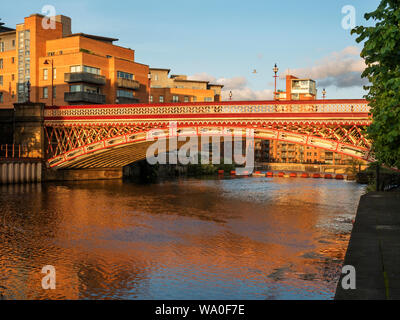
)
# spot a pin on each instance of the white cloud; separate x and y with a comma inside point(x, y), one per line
point(341, 69)
point(238, 86)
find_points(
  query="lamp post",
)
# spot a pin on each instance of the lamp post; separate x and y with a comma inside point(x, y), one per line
point(275, 69)
point(46, 62)
point(230, 95)
point(323, 94)
point(149, 77)
point(28, 88)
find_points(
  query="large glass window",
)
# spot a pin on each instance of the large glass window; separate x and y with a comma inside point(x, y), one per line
point(74, 69)
point(161, 99)
point(175, 99)
point(91, 70)
point(76, 88)
point(125, 75)
point(125, 93)
point(45, 74)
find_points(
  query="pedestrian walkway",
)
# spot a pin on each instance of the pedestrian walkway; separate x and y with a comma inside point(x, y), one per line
point(374, 249)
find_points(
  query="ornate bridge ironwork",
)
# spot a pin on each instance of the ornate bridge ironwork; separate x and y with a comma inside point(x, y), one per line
point(116, 135)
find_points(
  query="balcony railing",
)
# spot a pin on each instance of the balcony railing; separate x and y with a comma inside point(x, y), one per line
point(89, 97)
point(128, 84)
point(85, 77)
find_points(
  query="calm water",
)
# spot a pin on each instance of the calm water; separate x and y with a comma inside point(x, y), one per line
point(248, 238)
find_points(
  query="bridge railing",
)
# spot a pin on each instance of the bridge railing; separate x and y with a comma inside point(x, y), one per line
point(251, 107)
point(13, 151)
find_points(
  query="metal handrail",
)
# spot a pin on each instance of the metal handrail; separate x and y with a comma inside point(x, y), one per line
point(13, 151)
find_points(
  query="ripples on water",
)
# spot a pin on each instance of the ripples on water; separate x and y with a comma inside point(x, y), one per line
point(247, 238)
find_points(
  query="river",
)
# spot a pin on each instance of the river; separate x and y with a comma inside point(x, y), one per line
point(230, 238)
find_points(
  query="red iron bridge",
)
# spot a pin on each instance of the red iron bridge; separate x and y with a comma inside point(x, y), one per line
point(112, 136)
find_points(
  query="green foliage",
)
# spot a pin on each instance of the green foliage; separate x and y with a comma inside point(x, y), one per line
point(382, 56)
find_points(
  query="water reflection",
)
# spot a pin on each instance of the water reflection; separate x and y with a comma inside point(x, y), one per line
point(253, 238)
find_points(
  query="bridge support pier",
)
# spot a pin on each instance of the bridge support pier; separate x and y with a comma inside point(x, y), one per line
point(28, 128)
point(82, 174)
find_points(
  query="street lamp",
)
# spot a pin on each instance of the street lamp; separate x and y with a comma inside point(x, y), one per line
point(149, 77)
point(28, 88)
point(323, 94)
point(46, 62)
point(275, 69)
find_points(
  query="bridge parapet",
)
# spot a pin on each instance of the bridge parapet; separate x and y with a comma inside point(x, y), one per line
point(197, 109)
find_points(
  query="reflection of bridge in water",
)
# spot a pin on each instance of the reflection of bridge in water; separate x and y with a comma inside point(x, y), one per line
point(112, 136)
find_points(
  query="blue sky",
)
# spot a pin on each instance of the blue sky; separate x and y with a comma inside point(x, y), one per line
point(225, 41)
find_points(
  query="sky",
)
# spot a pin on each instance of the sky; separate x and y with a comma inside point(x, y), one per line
point(226, 41)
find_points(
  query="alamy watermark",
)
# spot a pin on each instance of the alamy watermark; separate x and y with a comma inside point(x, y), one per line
point(49, 280)
point(349, 280)
point(196, 147)
point(49, 19)
point(349, 20)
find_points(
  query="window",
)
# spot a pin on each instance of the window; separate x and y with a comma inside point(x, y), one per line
point(194, 99)
point(13, 43)
point(45, 74)
point(124, 75)
point(12, 60)
point(1, 63)
point(54, 92)
point(161, 99)
point(45, 93)
point(1, 97)
point(156, 77)
point(208, 99)
point(92, 70)
point(125, 93)
point(151, 99)
point(13, 77)
point(175, 99)
point(75, 88)
point(54, 73)
point(2, 46)
point(74, 69)
point(1, 80)
point(186, 99)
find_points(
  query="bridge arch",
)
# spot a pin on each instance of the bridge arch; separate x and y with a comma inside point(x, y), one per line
point(119, 150)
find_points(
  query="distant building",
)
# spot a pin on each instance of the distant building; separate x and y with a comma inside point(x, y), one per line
point(276, 151)
point(298, 89)
point(177, 88)
point(85, 69)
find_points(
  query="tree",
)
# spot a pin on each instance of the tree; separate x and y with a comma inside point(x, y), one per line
point(381, 53)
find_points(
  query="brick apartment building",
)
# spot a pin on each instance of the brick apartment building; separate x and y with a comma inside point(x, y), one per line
point(177, 88)
point(65, 68)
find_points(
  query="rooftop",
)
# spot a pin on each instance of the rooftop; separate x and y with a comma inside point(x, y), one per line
point(94, 37)
point(160, 69)
point(4, 29)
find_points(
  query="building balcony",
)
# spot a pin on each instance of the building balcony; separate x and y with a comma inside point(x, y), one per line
point(85, 97)
point(128, 84)
point(85, 77)
point(125, 100)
